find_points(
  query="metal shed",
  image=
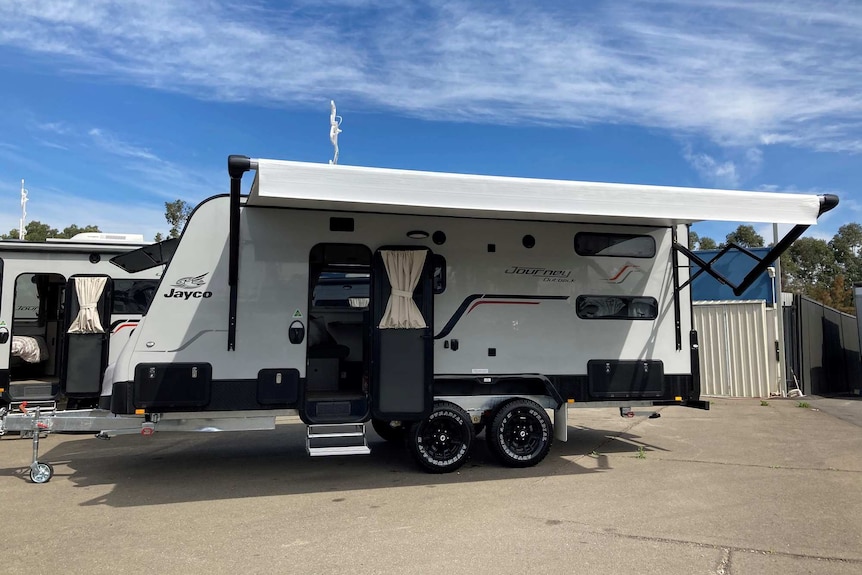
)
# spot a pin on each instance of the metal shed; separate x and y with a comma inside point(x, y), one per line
point(738, 353)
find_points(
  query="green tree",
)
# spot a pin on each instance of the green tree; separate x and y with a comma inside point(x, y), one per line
point(809, 265)
point(34, 231)
point(695, 242)
point(836, 295)
point(73, 230)
point(177, 213)
point(847, 245)
point(744, 236)
point(707, 244)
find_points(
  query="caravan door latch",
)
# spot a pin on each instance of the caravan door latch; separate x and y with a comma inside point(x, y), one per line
point(296, 332)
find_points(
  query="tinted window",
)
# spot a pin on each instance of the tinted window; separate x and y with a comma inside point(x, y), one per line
point(38, 298)
point(26, 298)
point(133, 296)
point(614, 245)
point(616, 307)
point(335, 289)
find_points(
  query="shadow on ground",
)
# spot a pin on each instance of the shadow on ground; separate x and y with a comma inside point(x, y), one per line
point(170, 468)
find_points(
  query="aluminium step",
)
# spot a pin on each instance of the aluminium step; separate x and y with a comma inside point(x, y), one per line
point(326, 439)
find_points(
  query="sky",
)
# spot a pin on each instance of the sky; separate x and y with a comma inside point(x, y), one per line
point(110, 109)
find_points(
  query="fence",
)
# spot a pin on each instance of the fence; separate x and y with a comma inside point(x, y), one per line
point(822, 348)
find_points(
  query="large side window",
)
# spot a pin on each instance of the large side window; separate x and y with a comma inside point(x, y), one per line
point(616, 307)
point(133, 296)
point(614, 245)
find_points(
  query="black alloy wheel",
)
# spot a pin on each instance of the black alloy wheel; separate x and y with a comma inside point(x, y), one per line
point(520, 433)
point(441, 442)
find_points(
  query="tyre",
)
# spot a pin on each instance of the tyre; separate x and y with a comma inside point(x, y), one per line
point(441, 442)
point(520, 433)
point(387, 432)
point(41, 473)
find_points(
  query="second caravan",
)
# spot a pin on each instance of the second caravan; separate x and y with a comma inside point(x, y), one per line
point(65, 311)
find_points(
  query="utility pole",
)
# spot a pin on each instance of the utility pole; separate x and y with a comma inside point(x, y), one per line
point(779, 316)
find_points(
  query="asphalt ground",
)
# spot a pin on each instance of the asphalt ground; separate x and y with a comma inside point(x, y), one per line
point(742, 488)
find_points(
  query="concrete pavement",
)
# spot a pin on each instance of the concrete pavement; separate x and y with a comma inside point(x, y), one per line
point(742, 488)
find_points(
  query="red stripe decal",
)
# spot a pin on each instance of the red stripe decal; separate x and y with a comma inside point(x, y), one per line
point(619, 273)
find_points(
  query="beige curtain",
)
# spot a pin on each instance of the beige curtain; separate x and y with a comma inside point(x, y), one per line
point(89, 291)
point(403, 268)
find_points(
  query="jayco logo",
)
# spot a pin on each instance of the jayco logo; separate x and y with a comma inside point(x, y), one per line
point(191, 282)
point(189, 288)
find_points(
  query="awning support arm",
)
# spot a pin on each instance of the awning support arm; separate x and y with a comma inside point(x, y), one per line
point(236, 167)
point(827, 202)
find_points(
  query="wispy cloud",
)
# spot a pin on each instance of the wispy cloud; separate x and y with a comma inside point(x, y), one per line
point(108, 143)
point(720, 174)
point(740, 73)
point(133, 182)
point(131, 165)
point(61, 128)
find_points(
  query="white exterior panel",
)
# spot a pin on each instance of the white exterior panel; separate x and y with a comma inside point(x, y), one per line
point(539, 335)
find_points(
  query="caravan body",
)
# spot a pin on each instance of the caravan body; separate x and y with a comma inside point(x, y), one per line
point(44, 354)
point(430, 304)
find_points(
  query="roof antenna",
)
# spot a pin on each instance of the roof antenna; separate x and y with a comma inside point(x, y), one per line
point(24, 200)
point(334, 130)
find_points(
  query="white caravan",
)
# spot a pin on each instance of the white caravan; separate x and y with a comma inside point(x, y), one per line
point(45, 354)
point(430, 304)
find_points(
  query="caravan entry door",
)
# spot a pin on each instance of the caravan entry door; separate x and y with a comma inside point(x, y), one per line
point(87, 332)
point(401, 324)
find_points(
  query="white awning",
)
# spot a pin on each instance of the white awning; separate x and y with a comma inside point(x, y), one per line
point(348, 188)
point(403, 267)
point(88, 290)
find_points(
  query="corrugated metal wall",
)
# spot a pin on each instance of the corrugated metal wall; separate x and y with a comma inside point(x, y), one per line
point(738, 355)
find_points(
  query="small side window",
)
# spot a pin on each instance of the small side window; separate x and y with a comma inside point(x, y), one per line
point(616, 307)
point(439, 273)
point(614, 245)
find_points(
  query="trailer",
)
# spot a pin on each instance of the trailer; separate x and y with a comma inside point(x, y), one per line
point(433, 306)
point(64, 313)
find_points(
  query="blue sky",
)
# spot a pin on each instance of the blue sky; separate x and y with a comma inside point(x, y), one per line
point(109, 109)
